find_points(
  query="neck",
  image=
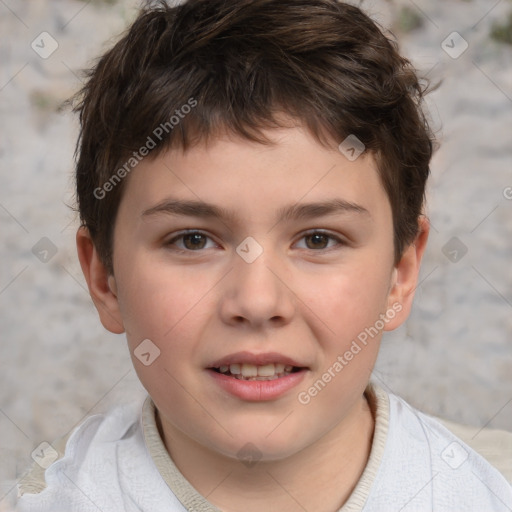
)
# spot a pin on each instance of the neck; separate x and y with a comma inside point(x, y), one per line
point(320, 477)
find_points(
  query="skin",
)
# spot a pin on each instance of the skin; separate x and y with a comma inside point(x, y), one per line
point(305, 297)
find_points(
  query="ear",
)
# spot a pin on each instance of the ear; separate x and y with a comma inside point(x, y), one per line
point(405, 277)
point(101, 284)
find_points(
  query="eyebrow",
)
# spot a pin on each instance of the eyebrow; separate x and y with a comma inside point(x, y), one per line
point(299, 211)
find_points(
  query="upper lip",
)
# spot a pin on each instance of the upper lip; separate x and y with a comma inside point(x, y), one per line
point(255, 359)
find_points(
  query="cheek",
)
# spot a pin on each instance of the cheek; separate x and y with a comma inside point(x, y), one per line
point(156, 298)
point(169, 307)
point(348, 300)
point(163, 309)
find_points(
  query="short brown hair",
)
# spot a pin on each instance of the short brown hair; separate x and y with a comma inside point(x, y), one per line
point(239, 63)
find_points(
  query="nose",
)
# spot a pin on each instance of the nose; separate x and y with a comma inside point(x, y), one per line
point(257, 292)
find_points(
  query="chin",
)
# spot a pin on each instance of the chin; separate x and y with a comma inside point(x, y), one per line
point(258, 446)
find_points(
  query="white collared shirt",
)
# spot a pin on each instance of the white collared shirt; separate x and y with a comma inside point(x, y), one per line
point(117, 462)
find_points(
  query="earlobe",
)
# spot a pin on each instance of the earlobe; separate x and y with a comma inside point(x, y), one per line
point(404, 279)
point(101, 284)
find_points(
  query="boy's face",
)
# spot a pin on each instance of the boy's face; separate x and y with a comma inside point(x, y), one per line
point(256, 283)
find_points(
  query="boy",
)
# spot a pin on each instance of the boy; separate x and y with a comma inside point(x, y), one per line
point(288, 136)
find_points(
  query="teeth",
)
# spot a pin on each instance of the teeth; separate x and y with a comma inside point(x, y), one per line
point(266, 371)
point(247, 371)
point(235, 369)
point(274, 377)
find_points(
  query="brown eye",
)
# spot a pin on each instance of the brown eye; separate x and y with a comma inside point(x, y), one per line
point(194, 241)
point(318, 240)
point(191, 241)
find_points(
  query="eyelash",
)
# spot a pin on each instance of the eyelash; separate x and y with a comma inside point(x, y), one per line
point(339, 241)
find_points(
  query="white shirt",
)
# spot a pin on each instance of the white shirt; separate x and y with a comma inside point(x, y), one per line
point(117, 462)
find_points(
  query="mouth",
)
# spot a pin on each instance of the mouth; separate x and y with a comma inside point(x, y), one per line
point(252, 372)
point(258, 380)
point(257, 377)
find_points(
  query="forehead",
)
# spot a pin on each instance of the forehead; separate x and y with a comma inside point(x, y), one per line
point(230, 175)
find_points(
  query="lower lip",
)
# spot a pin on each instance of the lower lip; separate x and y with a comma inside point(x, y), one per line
point(258, 390)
